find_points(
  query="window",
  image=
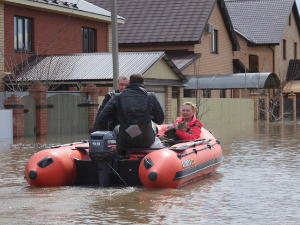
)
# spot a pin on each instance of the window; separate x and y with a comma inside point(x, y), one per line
point(88, 40)
point(253, 63)
point(22, 33)
point(187, 93)
point(214, 41)
point(295, 50)
point(283, 48)
point(290, 22)
point(206, 93)
point(222, 93)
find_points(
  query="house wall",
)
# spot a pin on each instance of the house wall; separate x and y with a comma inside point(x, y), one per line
point(46, 25)
point(213, 63)
point(161, 70)
point(265, 58)
point(1, 46)
point(291, 35)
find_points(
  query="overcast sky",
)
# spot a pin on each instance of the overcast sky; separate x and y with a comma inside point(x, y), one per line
point(298, 4)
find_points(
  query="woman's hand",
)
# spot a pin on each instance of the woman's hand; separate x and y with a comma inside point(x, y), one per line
point(163, 137)
point(176, 126)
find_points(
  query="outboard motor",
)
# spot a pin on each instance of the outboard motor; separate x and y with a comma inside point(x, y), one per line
point(102, 149)
point(102, 146)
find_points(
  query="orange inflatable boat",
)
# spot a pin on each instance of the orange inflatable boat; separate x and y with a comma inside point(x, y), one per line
point(100, 161)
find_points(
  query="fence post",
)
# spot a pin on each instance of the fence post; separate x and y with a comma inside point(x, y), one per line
point(254, 96)
point(266, 102)
point(281, 108)
point(293, 97)
point(39, 92)
point(93, 92)
point(17, 105)
point(168, 105)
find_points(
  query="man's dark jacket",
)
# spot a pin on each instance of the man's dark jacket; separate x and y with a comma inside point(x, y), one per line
point(129, 107)
point(105, 125)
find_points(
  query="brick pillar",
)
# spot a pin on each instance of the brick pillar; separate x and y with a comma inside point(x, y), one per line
point(2, 85)
point(93, 93)
point(39, 92)
point(281, 108)
point(17, 105)
point(228, 93)
point(237, 93)
point(266, 106)
point(168, 105)
point(254, 96)
point(293, 97)
point(179, 101)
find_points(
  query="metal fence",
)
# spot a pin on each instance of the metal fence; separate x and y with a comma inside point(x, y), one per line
point(6, 121)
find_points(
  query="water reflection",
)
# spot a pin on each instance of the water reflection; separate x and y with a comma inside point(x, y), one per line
point(257, 183)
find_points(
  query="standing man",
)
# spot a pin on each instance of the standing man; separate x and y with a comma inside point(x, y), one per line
point(123, 82)
point(135, 109)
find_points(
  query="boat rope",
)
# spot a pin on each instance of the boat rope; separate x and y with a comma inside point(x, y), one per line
point(195, 151)
point(117, 174)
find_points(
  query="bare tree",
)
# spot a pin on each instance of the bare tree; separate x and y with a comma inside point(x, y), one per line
point(50, 70)
point(272, 109)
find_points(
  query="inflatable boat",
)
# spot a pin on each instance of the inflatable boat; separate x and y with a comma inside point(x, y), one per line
point(100, 161)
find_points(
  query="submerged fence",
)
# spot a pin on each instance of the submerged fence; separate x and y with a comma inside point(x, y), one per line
point(6, 124)
point(220, 110)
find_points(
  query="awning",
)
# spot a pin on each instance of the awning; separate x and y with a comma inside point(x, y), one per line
point(293, 86)
point(233, 81)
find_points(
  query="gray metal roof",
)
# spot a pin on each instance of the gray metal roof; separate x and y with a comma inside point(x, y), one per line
point(183, 58)
point(79, 5)
point(92, 66)
point(260, 21)
point(233, 81)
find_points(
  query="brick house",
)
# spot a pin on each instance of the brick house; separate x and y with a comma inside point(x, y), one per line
point(180, 28)
point(269, 28)
point(50, 27)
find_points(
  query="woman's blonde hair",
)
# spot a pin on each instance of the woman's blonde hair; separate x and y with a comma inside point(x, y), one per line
point(192, 105)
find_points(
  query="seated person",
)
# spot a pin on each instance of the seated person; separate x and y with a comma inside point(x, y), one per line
point(135, 109)
point(193, 128)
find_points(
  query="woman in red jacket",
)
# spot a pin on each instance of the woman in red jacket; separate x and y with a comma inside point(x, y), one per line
point(188, 116)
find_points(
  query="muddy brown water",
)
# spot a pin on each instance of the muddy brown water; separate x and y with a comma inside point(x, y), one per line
point(257, 183)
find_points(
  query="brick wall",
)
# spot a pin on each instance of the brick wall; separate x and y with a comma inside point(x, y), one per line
point(291, 35)
point(1, 45)
point(45, 27)
point(265, 58)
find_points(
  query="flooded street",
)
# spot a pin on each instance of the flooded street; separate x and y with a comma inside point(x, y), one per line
point(257, 183)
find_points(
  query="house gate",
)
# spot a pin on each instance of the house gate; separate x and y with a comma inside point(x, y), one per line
point(29, 116)
point(67, 114)
point(298, 108)
point(288, 108)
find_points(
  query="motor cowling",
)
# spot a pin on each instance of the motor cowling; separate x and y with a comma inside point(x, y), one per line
point(102, 146)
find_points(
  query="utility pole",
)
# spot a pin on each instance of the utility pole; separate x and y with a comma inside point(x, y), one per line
point(115, 48)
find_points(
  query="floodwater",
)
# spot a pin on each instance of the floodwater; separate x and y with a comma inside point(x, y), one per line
point(257, 183)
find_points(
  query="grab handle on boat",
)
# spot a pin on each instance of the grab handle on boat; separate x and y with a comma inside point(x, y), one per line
point(183, 147)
